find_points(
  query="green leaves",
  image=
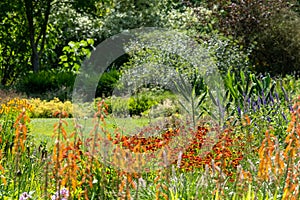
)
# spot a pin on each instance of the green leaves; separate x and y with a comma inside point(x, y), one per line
point(241, 87)
point(63, 58)
point(75, 53)
point(230, 84)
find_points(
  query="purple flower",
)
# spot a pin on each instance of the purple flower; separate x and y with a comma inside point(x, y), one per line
point(55, 196)
point(284, 117)
point(284, 92)
point(253, 106)
point(239, 110)
point(63, 194)
point(249, 102)
point(25, 196)
point(258, 102)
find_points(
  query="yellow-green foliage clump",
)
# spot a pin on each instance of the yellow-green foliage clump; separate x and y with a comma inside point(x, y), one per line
point(46, 109)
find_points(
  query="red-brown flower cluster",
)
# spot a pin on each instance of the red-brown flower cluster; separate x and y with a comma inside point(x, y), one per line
point(226, 151)
point(142, 144)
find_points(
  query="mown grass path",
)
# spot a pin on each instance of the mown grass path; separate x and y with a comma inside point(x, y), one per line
point(42, 129)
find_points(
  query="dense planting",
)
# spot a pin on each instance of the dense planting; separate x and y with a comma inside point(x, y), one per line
point(250, 157)
point(205, 104)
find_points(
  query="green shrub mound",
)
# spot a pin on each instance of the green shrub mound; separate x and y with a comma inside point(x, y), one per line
point(47, 85)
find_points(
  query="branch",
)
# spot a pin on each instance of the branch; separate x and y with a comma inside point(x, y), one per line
point(29, 16)
point(44, 28)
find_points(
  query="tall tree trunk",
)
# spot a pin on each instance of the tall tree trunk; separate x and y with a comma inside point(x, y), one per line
point(35, 59)
point(37, 34)
point(34, 52)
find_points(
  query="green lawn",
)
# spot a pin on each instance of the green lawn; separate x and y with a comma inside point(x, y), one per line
point(42, 128)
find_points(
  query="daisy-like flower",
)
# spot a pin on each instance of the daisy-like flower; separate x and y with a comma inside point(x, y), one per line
point(63, 194)
point(25, 196)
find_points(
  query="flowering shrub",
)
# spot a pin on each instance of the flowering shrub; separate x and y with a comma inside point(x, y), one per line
point(239, 164)
point(221, 154)
point(10, 114)
point(14, 147)
point(279, 166)
point(46, 109)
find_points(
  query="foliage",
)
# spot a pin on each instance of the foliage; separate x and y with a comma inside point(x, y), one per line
point(37, 15)
point(132, 14)
point(47, 109)
point(256, 151)
point(227, 171)
point(107, 83)
point(284, 171)
point(165, 108)
point(14, 51)
point(47, 84)
point(243, 19)
point(268, 29)
point(229, 53)
point(74, 54)
point(277, 47)
point(166, 66)
point(7, 94)
point(258, 98)
point(9, 113)
point(18, 161)
point(139, 104)
point(34, 33)
point(149, 103)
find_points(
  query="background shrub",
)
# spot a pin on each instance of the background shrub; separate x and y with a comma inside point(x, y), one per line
point(164, 109)
point(244, 19)
point(229, 53)
point(46, 109)
point(270, 29)
point(278, 47)
point(140, 104)
point(47, 85)
point(153, 103)
point(118, 106)
point(107, 83)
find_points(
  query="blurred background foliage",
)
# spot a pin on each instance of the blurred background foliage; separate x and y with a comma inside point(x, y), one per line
point(43, 43)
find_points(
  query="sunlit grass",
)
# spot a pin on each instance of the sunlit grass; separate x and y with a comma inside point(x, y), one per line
point(42, 128)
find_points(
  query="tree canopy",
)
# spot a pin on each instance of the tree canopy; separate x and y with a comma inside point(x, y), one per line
point(34, 33)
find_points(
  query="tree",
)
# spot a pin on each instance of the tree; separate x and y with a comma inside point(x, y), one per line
point(28, 34)
point(14, 51)
point(37, 15)
point(243, 19)
point(278, 47)
point(268, 28)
